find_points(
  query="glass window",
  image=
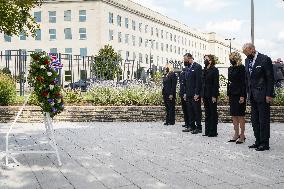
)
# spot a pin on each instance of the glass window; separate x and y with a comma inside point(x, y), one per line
point(67, 33)
point(68, 50)
point(119, 37)
point(167, 47)
point(152, 31)
point(38, 34)
point(171, 36)
point(53, 50)
point(133, 40)
point(110, 35)
point(140, 41)
point(127, 55)
point(146, 58)
point(8, 55)
point(38, 50)
point(37, 16)
point(126, 22)
point(140, 27)
point(52, 16)
point(162, 46)
point(67, 15)
point(140, 58)
point(110, 18)
point(7, 38)
point(133, 25)
point(157, 32)
point(146, 28)
point(82, 15)
point(134, 55)
point(157, 46)
point(126, 38)
point(162, 34)
point(83, 33)
point(118, 19)
point(52, 34)
point(83, 52)
point(23, 36)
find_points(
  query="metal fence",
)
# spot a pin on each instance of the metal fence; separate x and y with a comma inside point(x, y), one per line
point(78, 70)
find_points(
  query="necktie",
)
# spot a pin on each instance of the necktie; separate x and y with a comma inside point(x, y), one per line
point(250, 66)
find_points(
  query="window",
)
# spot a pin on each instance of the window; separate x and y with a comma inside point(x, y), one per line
point(178, 50)
point(38, 34)
point(167, 47)
point(126, 38)
point(119, 37)
point(110, 18)
point(37, 16)
point(133, 25)
point(83, 33)
point(7, 38)
point(162, 46)
point(146, 28)
point(83, 52)
point(140, 27)
point(171, 36)
point(67, 33)
point(67, 15)
point(110, 35)
point(38, 50)
point(23, 36)
point(146, 42)
point(152, 31)
point(52, 34)
point(140, 41)
point(52, 16)
point(146, 58)
point(140, 58)
point(53, 50)
point(68, 50)
point(8, 55)
point(126, 22)
point(127, 55)
point(133, 40)
point(134, 56)
point(157, 32)
point(118, 19)
point(157, 46)
point(162, 34)
point(171, 48)
point(82, 15)
point(175, 38)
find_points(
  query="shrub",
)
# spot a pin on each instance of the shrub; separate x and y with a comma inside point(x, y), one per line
point(72, 96)
point(7, 90)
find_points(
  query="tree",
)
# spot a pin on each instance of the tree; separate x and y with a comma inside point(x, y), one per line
point(16, 18)
point(217, 61)
point(106, 64)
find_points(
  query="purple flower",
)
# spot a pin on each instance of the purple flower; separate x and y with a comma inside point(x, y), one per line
point(54, 110)
point(50, 100)
point(62, 105)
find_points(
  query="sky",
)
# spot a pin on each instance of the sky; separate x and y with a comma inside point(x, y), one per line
point(230, 19)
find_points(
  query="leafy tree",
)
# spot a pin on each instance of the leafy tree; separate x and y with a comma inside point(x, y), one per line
point(217, 61)
point(16, 18)
point(106, 64)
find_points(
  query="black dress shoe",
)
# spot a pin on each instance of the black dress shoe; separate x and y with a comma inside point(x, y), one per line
point(196, 131)
point(212, 135)
point(166, 123)
point(262, 148)
point(234, 140)
point(186, 130)
point(184, 125)
point(253, 146)
point(171, 123)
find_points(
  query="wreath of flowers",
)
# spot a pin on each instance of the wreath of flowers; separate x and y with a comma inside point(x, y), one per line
point(43, 76)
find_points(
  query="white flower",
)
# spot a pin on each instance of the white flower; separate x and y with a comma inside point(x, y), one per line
point(59, 100)
point(52, 104)
point(42, 67)
point(49, 73)
point(51, 87)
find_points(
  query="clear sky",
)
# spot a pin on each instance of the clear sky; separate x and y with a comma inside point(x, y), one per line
point(230, 18)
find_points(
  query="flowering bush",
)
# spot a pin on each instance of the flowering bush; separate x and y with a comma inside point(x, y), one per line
point(44, 78)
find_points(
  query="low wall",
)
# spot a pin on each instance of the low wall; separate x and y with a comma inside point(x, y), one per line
point(117, 113)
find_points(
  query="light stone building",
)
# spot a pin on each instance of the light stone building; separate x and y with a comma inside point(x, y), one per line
point(82, 27)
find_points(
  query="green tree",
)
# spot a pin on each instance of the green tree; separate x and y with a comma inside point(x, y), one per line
point(15, 16)
point(217, 61)
point(106, 64)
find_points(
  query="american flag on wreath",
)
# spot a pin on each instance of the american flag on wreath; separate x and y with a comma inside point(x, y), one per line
point(55, 63)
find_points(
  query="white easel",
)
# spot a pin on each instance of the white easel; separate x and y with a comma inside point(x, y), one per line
point(8, 154)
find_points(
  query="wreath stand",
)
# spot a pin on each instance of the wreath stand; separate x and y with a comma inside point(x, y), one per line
point(8, 153)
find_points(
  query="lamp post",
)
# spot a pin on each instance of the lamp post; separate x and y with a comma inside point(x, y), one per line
point(252, 21)
point(230, 39)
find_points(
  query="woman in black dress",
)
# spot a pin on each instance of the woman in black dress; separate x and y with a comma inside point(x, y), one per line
point(236, 92)
point(209, 94)
point(169, 93)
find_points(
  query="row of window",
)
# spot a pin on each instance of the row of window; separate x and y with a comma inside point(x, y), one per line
point(159, 33)
point(52, 34)
point(82, 17)
point(159, 46)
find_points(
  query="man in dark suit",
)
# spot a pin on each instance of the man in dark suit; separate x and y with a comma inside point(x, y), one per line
point(181, 93)
point(260, 88)
point(192, 94)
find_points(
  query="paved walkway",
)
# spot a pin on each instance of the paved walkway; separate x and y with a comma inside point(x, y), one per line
point(142, 155)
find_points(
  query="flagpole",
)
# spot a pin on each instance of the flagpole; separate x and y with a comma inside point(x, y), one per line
point(252, 21)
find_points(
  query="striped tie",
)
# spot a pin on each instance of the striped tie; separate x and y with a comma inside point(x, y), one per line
point(250, 66)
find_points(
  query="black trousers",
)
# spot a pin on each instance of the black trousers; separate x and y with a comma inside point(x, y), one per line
point(170, 109)
point(184, 110)
point(194, 113)
point(211, 117)
point(260, 119)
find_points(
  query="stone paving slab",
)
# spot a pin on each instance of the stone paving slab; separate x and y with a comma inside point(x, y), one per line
point(141, 155)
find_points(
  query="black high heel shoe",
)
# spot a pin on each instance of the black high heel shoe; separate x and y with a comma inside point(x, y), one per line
point(234, 140)
point(240, 142)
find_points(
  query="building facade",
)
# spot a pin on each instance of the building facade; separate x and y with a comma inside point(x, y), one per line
point(137, 33)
